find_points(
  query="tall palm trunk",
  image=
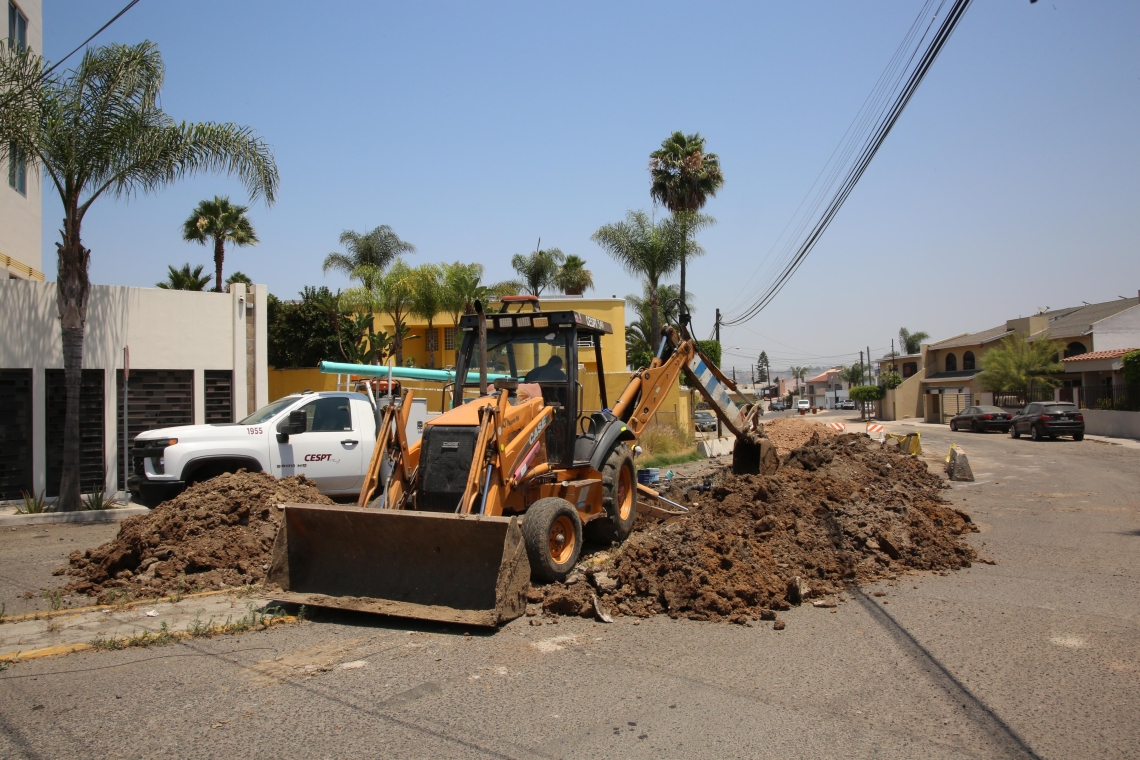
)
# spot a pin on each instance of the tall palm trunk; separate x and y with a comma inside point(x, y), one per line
point(431, 344)
point(72, 289)
point(654, 319)
point(684, 257)
point(219, 256)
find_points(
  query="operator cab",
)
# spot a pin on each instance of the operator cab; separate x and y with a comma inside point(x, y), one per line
point(537, 348)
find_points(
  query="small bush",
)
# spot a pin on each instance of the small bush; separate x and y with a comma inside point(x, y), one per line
point(660, 438)
point(1131, 362)
point(34, 503)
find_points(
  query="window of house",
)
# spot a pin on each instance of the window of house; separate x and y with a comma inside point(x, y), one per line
point(17, 27)
point(1075, 349)
point(909, 368)
point(17, 170)
point(951, 363)
point(585, 341)
point(968, 360)
point(449, 338)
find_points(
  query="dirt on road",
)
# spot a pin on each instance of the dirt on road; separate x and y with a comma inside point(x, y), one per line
point(840, 510)
point(215, 535)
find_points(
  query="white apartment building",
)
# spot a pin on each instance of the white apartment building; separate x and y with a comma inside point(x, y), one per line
point(21, 194)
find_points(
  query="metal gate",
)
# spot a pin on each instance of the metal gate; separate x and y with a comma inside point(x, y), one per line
point(15, 432)
point(219, 392)
point(92, 471)
point(955, 403)
point(158, 398)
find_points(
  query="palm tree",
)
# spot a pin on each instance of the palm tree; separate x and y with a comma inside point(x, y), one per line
point(682, 178)
point(238, 277)
point(647, 249)
point(396, 298)
point(429, 297)
point(462, 287)
point(799, 373)
point(221, 222)
point(573, 278)
point(538, 270)
point(185, 279)
point(912, 342)
point(376, 249)
point(368, 255)
point(99, 130)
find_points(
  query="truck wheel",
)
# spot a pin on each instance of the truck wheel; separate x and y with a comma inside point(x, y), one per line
point(619, 498)
point(552, 534)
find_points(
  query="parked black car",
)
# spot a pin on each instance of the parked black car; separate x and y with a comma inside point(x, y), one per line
point(980, 419)
point(1049, 419)
point(776, 406)
point(704, 422)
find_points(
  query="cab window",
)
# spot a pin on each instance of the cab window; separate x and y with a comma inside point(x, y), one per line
point(327, 415)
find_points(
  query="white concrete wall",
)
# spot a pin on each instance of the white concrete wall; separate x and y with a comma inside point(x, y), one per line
point(1112, 423)
point(1121, 330)
point(165, 329)
point(21, 228)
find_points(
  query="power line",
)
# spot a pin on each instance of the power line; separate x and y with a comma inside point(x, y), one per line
point(870, 147)
point(56, 65)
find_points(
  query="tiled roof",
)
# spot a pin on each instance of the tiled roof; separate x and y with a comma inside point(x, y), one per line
point(1113, 354)
point(822, 378)
point(898, 358)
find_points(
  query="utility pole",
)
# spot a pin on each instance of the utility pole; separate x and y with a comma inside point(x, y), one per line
point(862, 373)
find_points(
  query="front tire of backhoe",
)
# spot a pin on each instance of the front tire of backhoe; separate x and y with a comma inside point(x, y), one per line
point(552, 534)
point(619, 498)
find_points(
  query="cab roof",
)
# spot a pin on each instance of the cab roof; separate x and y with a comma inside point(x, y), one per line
point(539, 320)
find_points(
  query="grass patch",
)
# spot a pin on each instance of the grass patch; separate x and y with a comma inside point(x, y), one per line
point(252, 620)
point(663, 460)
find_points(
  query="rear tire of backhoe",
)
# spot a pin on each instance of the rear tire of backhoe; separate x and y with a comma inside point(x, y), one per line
point(619, 498)
point(552, 534)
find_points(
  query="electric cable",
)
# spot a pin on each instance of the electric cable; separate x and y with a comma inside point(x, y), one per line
point(867, 152)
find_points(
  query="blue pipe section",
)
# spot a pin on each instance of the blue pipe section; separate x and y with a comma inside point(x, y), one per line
point(400, 373)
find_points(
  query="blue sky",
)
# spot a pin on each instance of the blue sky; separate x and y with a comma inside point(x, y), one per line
point(1010, 183)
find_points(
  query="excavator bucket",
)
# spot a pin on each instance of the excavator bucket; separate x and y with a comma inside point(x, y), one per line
point(469, 569)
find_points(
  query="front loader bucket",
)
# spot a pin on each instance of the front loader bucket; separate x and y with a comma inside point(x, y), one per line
point(467, 569)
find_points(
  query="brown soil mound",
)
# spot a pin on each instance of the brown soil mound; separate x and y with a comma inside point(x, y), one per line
point(840, 510)
point(213, 535)
point(789, 433)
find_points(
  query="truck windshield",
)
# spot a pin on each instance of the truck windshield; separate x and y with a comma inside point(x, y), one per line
point(266, 412)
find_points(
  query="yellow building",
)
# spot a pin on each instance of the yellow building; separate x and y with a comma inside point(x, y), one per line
point(447, 340)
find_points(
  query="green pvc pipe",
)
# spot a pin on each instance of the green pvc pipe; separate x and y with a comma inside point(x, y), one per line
point(400, 373)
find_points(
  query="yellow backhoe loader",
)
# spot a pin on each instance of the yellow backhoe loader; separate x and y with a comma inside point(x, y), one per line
point(503, 486)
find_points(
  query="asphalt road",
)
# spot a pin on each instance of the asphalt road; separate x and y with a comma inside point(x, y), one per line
point(1036, 656)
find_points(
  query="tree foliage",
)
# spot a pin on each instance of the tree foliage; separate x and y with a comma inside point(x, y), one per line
point(429, 298)
point(1017, 364)
point(711, 349)
point(1131, 364)
point(539, 269)
point(303, 333)
point(890, 378)
point(219, 222)
point(854, 374)
point(367, 254)
point(573, 278)
point(184, 278)
point(866, 392)
point(911, 343)
point(682, 177)
point(646, 249)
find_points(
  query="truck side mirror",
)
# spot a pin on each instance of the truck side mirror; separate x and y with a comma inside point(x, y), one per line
point(294, 424)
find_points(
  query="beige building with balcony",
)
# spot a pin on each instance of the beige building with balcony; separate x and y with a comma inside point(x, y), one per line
point(21, 195)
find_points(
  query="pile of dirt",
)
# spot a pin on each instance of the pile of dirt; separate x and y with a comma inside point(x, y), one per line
point(790, 433)
point(840, 510)
point(214, 535)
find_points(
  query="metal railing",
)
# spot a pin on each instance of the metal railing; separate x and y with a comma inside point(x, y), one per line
point(1125, 398)
point(1018, 399)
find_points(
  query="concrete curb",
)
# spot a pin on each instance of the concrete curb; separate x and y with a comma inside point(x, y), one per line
point(87, 517)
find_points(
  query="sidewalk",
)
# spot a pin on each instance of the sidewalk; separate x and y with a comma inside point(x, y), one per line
point(9, 517)
point(1127, 443)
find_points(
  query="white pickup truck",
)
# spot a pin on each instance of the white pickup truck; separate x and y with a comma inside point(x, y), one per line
point(327, 437)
